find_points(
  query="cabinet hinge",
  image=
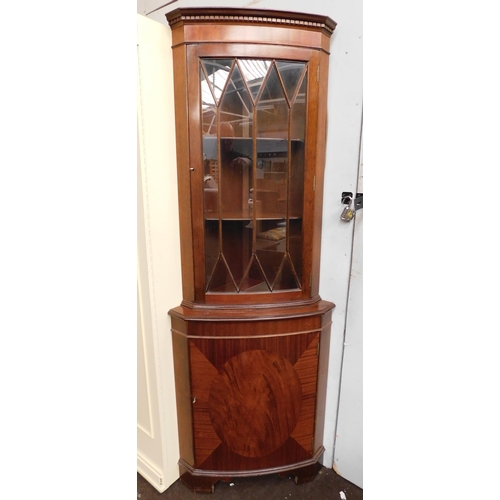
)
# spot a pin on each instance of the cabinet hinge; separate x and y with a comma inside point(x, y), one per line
point(317, 73)
point(314, 183)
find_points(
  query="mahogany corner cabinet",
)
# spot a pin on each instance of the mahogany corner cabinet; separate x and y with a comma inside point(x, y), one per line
point(251, 336)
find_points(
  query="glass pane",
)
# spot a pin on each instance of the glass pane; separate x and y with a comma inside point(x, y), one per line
point(208, 107)
point(221, 280)
point(254, 280)
point(296, 194)
point(217, 72)
point(271, 247)
point(286, 278)
point(236, 147)
point(272, 148)
point(290, 72)
point(299, 112)
point(271, 178)
point(237, 246)
point(212, 247)
point(295, 246)
point(210, 164)
point(213, 77)
point(272, 174)
point(237, 106)
point(272, 109)
point(254, 72)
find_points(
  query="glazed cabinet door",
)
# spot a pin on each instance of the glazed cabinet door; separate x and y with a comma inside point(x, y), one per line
point(254, 121)
point(252, 181)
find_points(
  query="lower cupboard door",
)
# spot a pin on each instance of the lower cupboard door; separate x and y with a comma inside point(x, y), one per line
point(254, 401)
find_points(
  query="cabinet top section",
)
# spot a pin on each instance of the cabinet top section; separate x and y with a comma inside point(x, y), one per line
point(252, 17)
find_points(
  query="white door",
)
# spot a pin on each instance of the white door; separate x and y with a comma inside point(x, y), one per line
point(158, 256)
point(348, 452)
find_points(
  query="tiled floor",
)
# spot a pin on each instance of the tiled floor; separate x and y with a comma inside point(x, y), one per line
point(326, 486)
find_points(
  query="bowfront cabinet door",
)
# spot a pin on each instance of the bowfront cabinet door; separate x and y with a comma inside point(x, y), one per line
point(250, 394)
point(253, 401)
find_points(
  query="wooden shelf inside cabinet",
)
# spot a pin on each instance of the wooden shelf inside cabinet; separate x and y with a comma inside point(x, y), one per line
point(247, 215)
point(251, 338)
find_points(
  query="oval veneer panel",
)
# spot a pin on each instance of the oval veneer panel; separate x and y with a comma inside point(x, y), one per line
point(255, 402)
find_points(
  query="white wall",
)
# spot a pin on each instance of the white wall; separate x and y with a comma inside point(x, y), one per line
point(159, 276)
point(342, 149)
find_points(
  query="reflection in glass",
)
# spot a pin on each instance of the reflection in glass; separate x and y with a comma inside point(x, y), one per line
point(254, 280)
point(290, 74)
point(235, 171)
point(253, 117)
point(299, 112)
point(272, 108)
point(286, 277)
point(237, 246)
point(296, 193)
point(221, 279)
point(271, 188)
point(254, 73)
point(215, 72)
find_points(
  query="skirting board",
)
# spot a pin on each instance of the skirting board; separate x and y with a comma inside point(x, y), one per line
point(151, 474)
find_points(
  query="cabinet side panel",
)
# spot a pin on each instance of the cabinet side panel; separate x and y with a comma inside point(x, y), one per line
point(324, 350)
point(310, 233)
point(183, 396)
point(193, 166)
point(183, 160)
point(322, 75)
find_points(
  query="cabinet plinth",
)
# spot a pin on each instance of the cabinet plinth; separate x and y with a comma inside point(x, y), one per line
point(251, 337)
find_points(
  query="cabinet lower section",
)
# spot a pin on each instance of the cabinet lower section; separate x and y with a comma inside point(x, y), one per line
point(250, 395)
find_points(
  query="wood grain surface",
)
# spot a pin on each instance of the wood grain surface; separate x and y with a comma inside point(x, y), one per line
point(255, 402)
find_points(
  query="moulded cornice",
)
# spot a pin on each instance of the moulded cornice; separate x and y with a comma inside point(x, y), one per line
point(212, 15)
